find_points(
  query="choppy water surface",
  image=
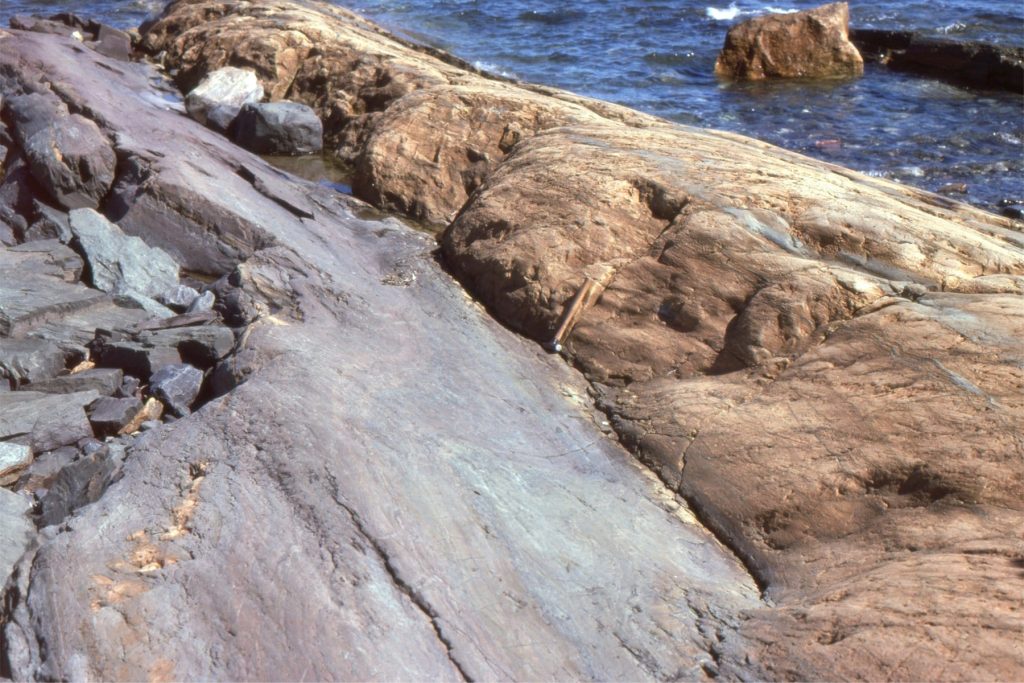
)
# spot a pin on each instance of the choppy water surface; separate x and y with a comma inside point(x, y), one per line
point(658, 56)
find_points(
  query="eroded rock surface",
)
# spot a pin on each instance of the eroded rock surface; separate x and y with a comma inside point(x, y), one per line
point(394, 487)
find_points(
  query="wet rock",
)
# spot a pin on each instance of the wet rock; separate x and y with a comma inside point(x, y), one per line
point(118, 262)
point(109, 415)
point(221, 94)
point(179, 297)
point(16, 531)
point(809, 44)
point(279, 128)
point(203, 302)
point(67, 153)
point(45, 421)
point(177, 386)
point(104, 381)
point(26, 361)
point(14, 458)
point(971, 63)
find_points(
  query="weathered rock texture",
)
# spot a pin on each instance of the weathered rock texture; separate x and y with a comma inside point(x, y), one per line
point(394, 488)
point(826, 365)
point(810, 44)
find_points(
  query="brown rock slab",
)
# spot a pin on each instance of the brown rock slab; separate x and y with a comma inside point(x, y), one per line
point(810, 44)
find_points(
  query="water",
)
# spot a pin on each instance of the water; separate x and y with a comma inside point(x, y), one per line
point(658, 56)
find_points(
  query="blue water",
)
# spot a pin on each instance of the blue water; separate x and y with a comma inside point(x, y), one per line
point(658, 56)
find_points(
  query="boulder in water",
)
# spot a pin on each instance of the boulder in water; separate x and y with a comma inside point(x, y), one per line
point(810, 44)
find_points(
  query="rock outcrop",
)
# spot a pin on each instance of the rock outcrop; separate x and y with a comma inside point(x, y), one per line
point(821, 362)
point(384, 483)
point(809, 44)
point(381, 482)
point(970, 63)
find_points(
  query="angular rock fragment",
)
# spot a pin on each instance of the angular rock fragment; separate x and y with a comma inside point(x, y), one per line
point(50, 223)
point(16, 531)
point(45, 421)
point(279, 128)
point(113, 43)
point(150, 412)
point(104, 381)
point(25, 361)
point(60, 261)
point(203, 302)
point(67, 153)
point(177, 386)
point(109, 415)
point(178, 298)
point(80, 483)
point(201, 346)
point(14, 457)
point(134, 358)
point(118, 262)
point(810, 44)
point(74, 331)
point(218, 98)
point(45, 467)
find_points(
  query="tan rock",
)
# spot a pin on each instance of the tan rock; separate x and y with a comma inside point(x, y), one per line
point(810, 44)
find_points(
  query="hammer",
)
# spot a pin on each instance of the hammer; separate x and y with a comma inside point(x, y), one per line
point(584, 297)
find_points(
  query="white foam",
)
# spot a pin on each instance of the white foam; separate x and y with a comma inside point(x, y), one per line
point(732, 11)
point(495, 69)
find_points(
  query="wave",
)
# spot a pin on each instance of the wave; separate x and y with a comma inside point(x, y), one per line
point(732, 11)
point(495, 69)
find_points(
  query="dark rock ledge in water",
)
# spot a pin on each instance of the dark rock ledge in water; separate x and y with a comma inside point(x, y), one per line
point(380, 482)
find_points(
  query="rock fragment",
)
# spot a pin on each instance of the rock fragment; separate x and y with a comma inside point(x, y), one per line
point(25, 361)
point(203, 302)
point(219, 97)
point(109, 415)
point(177, 386)
point(104, 381)
point(14, 457)
point(67, 153)
point(279, 128)
point(178, 298)
point(45, 421)
point(16, 531)
point(810, 44)
point(118, 262)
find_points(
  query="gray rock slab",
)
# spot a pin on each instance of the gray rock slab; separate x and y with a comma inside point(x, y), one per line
point(33, 291)
point(134, 358)
point(26, 361)
point(67, 153)
point(226, 90)
point(60, 260)
point(16, 531)
point(50, 223)
point(399, 477)
point(45, 421)
point(118, 262)
point(74, 331)
point(104, 381)
point(201, 346)
point(279, 128)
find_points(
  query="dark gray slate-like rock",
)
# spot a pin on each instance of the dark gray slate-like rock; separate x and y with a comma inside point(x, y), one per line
point(177, 386)
point(75, 330)
point(50, 223)
point(33, 291)
point(16, 531)
point(113, 43)
point(279, 128)
point(45, 468)
point(45, 421)
point(104, 381)
point(80, 483)
point(62, 261)
point(201, 346)
point(133, 357)
point(67, 153)
point(225, 90)
point(108, 415)
point(25, 361)
point(119, 262)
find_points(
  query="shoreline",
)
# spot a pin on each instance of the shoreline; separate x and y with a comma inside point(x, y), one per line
point(812, 360)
